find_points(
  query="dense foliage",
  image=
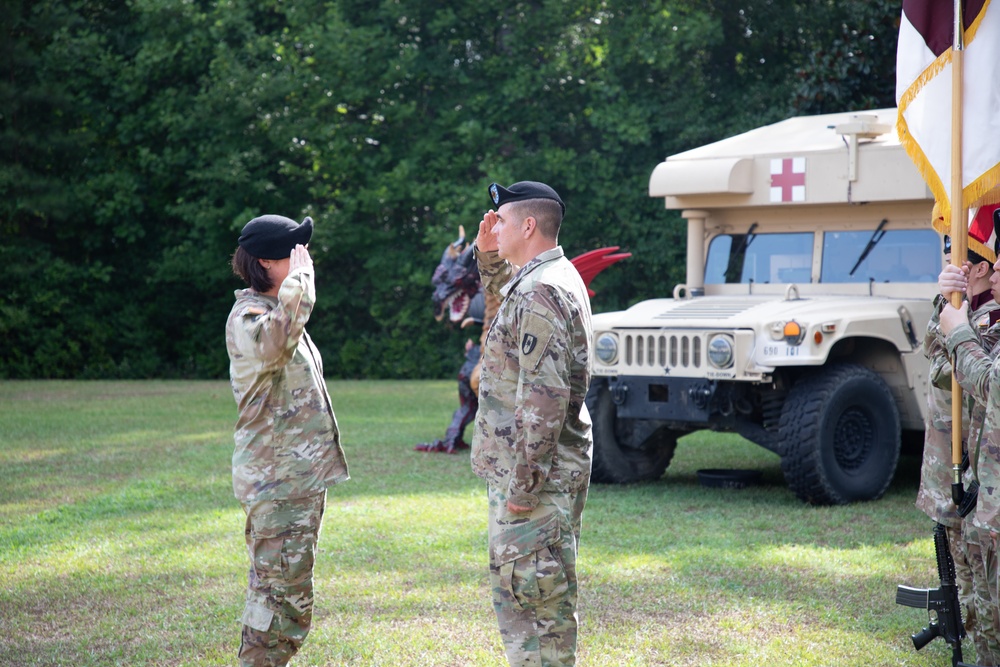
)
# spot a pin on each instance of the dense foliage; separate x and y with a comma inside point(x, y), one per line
point(138, 136)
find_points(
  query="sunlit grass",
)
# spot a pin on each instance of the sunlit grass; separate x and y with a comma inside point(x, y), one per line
point(121, 544)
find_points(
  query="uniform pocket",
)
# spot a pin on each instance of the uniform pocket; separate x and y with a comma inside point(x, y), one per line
point(298, 557)
point(268, 558)
point(284, 560)
point(521, 556)
point(281, 538)
point(522, 539)
point(532, 580)
point(257, 616)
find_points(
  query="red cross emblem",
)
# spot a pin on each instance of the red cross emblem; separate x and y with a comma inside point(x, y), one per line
point(788, 179)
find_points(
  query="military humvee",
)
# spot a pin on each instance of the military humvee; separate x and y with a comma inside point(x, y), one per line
point(811, 268)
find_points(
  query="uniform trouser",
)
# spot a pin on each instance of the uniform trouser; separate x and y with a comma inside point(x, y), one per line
point(982, 622)
point(988, 597)
point(281, 538)
point(533, 577)
point(965, 582)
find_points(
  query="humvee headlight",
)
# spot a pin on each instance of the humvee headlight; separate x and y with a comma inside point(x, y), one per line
point(607, 348)
point(720, 351)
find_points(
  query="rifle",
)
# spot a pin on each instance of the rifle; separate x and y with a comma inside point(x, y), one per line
point(943, 601)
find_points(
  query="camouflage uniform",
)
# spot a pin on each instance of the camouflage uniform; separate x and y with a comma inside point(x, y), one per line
point(287, 453)
point(969, 539)
point(532, 445)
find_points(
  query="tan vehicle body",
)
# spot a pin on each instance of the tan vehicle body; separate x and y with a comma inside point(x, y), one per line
point(834, 399)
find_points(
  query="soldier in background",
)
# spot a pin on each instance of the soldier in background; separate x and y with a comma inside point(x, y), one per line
point(287, 442)
point(532, 442)
point(934, 497)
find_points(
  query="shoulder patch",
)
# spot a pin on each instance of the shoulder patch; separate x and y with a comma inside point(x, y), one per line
point(533, 339)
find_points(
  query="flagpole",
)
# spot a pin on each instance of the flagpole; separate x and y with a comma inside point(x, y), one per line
point(959, 238)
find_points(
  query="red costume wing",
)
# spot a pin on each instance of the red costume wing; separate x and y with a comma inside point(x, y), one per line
point(589, 264)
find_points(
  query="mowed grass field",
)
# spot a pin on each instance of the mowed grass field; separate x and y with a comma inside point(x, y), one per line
point(121, 544)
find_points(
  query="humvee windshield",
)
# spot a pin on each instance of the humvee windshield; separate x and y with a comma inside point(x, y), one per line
point(901, 255)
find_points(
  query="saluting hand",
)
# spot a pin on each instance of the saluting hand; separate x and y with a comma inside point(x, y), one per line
point(300, 259)
point(486, 241)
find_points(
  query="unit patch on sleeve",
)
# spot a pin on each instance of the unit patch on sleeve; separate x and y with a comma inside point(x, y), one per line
point(536, 332)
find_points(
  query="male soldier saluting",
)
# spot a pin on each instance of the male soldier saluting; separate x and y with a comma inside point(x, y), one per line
point(532, 441)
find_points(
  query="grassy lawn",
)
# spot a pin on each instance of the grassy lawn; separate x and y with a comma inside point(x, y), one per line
point(121, 544)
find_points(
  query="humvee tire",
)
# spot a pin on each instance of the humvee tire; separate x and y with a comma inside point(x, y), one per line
point(622, 452)
point(840, 436)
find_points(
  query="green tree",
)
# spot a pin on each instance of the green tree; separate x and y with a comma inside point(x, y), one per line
point(139, 136)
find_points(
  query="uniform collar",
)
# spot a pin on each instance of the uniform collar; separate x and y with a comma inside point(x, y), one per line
point(539, 259)
point(979, 300)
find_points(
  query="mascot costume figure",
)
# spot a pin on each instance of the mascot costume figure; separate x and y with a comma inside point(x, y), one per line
point(460, 299)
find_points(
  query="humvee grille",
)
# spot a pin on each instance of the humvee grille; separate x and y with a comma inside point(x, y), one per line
point(663, 350)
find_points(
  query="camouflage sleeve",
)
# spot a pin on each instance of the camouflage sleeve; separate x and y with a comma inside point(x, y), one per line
point(932, 336)
point(991, 337)
point(272, 337)
point(543, 393)
point(972, 362)
point(494, 272)
point(934, 349)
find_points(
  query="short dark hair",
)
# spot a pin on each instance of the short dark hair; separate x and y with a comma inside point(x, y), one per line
point(546, 212)
point(249, 269)
point(976, 258)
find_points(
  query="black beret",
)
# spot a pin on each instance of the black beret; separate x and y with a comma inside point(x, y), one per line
point(274, 236)
point(523, 190)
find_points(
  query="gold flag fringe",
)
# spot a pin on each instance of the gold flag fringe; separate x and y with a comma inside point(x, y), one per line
point(986, 188)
